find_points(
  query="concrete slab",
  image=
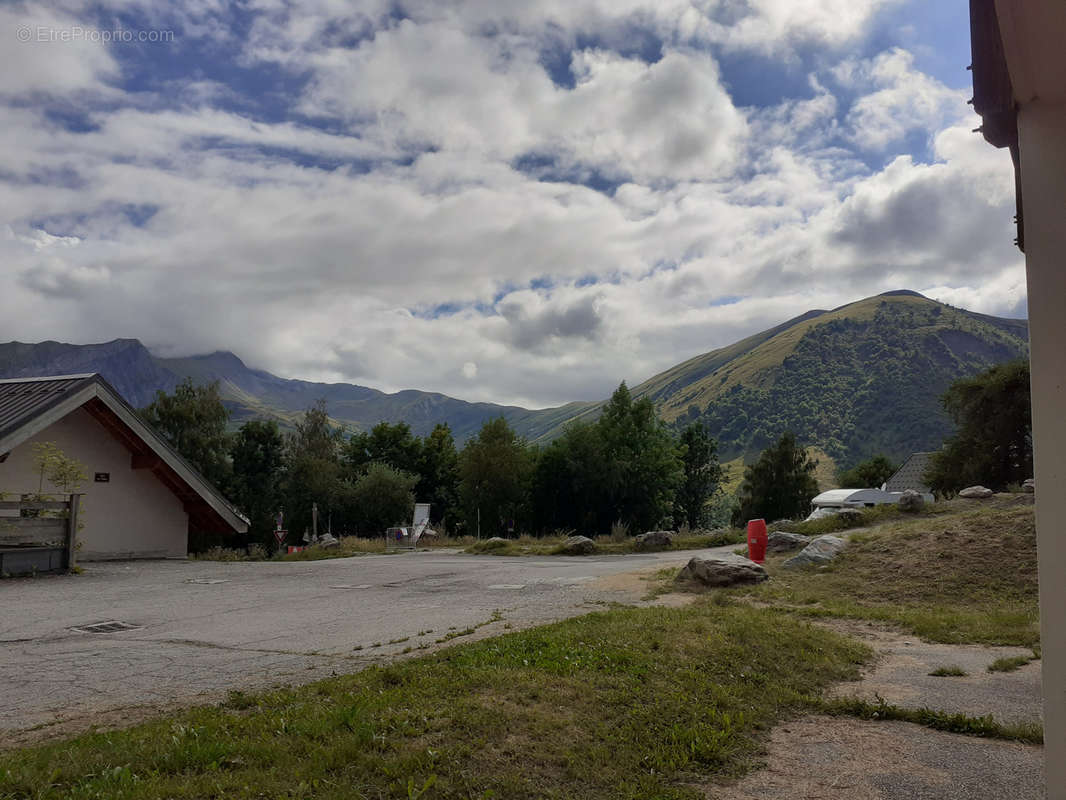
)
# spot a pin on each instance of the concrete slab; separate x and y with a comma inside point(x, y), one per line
point(203, 628)
point(900, 675)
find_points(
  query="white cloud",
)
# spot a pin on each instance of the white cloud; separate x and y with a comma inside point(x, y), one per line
point(419, 219)
point(903, 100)
point(45, 51)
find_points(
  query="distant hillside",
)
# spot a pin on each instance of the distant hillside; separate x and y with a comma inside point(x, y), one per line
point(252, 393)
point(861, 379)
point(249, 393)
point(125, 363)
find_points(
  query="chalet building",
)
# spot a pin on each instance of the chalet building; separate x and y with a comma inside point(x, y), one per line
point(140, 497)
point(911, 475)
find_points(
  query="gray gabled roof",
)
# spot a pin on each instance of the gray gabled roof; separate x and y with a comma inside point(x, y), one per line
point(29, 405)
point(23, 398)
point(911, 474)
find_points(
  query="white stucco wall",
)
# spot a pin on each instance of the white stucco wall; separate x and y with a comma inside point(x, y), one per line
point(1042, 134)
point(132, 516)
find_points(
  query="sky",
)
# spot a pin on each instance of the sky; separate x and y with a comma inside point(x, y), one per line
point(516, 201)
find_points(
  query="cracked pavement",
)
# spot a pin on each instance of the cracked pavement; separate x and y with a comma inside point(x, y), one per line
point(207, 627)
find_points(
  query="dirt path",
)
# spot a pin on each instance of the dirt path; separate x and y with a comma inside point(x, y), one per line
point(843, 759)
point(901, 676)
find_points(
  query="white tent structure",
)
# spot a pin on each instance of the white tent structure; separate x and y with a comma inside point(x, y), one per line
point(836, 500)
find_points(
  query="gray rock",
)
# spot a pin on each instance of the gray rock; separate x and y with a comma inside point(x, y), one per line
point(1029, 487)
point(327, 541)
point(821, 550)
point(496, 540)
point(721, 572)
point(578, 546)
point(976, 493)
point(911, 501)
point(784, 542)
point(781, 525)
point(654, 540)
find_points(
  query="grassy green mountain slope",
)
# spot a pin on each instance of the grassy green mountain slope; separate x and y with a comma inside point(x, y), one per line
point(861, 379)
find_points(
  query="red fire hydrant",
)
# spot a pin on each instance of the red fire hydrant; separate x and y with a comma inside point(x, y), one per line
point(757, 540)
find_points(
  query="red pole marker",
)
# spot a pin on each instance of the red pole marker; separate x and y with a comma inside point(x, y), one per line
point(757, 540)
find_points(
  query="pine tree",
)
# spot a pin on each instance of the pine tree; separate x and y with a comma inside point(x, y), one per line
point(779, 485)
point(702, 473)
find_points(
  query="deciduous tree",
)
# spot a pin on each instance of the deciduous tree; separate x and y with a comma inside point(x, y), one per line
point(313, 473)
point(257, 452)
point(383, 497)
point(993, 442)
point(193, 420)
point(494, 470)
point(438, 474)
point(394, 445)
point(870, 474)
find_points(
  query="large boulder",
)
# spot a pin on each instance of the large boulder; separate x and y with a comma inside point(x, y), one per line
point(976, 493)
point(785, 542)
point(911, 501)
point(577, 546)
point(820, 551)
point(781, 525)
point(327, 541)
point(718, 572)
point(1029, 487)
point(654, 540)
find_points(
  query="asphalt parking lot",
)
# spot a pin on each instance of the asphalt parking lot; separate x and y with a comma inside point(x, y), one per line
point(191, 630)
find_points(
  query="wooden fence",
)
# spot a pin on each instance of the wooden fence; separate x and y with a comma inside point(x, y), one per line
point(38, 535)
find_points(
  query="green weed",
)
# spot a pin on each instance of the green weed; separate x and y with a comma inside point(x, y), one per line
point(949, 672)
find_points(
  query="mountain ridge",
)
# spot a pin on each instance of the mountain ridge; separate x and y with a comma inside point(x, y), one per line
point(863, 377)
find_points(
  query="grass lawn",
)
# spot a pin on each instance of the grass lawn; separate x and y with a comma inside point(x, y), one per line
point(605, 545)
point(965, 575)
point(625, 703)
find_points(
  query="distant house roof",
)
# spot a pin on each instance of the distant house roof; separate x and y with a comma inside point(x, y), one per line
point(910, 474)
point(29, 405)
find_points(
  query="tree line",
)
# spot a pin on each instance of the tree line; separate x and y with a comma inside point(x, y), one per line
point(625, 471)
